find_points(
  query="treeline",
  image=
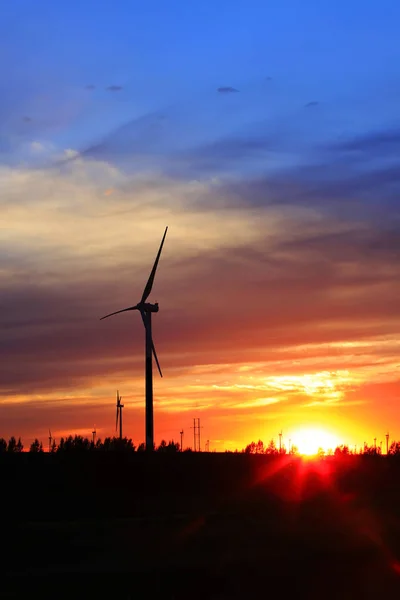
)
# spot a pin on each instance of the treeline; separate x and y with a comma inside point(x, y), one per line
point(78, 443)
point(342, 450)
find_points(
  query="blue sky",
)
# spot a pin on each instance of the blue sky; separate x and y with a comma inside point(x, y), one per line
point(171, 58)
point(267, 136)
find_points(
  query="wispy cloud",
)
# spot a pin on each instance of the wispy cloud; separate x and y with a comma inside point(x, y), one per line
point(227, 90)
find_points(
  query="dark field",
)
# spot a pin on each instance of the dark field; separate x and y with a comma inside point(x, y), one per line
point(215, 526)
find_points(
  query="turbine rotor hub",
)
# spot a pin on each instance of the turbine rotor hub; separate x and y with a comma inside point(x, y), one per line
point(147, 307)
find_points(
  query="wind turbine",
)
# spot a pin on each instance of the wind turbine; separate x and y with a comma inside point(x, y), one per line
point(146, 309)
point(120, 406)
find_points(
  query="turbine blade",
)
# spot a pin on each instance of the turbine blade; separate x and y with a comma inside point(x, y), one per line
point(155, 356)
point(152, 343)
point(119, 311)
point(142, 314)
point(149, 284)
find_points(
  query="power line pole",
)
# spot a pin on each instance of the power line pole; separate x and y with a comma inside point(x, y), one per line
point(181, 434)
point(198, 429)
point(196, 435)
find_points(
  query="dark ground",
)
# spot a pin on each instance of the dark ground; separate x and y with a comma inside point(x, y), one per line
point(210, 526)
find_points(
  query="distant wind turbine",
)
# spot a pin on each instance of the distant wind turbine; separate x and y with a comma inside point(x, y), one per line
point(120, 406)
point(146, 309)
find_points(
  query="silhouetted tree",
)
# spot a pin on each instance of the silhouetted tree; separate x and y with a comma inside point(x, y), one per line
point(250, 448)
point(115, 444)
point(3, 445)
point(342, 450)
point(255, 448)
point(372, 450)
point(53, 447)
point(271, 448)
point(12, 444)
point(141, 447)
point(20, 445)
point(36, 446)
point(171, 447)
point(98, 445)
point(394, 448)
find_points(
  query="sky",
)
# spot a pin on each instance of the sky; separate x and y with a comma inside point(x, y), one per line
point(267, 137)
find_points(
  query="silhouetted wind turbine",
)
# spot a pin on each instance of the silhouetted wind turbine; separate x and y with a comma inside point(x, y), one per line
point(50, 440)
point(145, 309)
point(120, 406)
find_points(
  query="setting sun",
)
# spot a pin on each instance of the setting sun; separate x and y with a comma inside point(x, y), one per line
point(309, 441)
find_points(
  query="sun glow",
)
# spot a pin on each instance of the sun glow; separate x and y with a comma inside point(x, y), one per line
point(309, 441)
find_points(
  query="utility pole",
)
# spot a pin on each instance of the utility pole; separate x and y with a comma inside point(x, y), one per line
point(387, 443)
point(181, 434)
point(198, 432)
point(196, 435)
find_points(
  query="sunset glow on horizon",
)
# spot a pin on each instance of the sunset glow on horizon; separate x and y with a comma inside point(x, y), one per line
point(311, 441)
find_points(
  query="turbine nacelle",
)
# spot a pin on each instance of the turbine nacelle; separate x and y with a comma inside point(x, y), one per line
point(147, 307)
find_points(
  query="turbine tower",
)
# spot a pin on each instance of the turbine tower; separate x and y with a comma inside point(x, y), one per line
point(146, 309)
point(120, 406)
